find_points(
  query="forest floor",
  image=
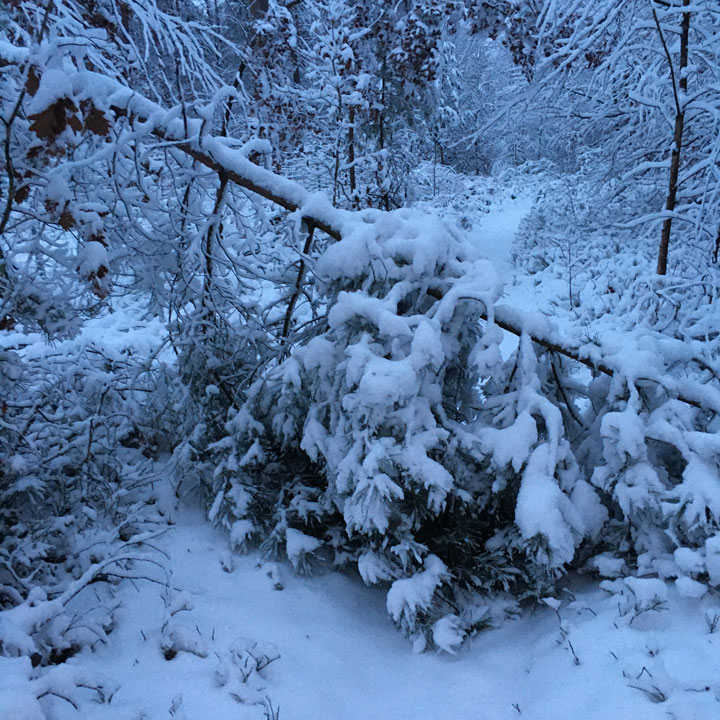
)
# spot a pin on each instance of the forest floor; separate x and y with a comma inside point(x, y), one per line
point(594, 656)
point(637, 649)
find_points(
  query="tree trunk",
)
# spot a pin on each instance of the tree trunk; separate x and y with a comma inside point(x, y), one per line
point(258, 8)
point(351, 153)
point(383, 176)
point(680, 99)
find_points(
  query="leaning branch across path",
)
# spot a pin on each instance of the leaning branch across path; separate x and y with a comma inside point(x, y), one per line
point(223, 155)
point(698, 396)
point(226, 157)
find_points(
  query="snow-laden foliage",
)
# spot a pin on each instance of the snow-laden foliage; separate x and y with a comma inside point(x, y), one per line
point(399, 439)
point(646, 437)
point(639, 83)
point(78, 511)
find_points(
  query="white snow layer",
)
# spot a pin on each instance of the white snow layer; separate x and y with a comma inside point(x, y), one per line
point(338, 656)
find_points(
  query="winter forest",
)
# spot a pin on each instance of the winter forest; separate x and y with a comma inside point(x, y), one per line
point(359, 359)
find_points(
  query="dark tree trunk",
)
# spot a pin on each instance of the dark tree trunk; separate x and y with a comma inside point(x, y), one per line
point(680, 100)
point(258, 8)
point(351, 153)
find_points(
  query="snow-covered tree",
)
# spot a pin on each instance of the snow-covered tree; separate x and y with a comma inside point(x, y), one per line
point(640, 79)
point(83, 223)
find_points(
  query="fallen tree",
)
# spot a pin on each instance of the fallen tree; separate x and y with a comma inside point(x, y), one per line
point(392, 433)
point(231, 161)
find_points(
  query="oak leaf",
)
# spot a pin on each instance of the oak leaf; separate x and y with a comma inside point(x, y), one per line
point(49, 123)
point(66, 220)
point(32, 84)
point(96, 122)
point(21, 194)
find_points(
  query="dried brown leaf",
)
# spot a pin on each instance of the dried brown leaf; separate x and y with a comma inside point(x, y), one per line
point(74, 123)
point(49, 123)
point(21, 194)
point(66, 220)
point(33, 81)
point(96, 122)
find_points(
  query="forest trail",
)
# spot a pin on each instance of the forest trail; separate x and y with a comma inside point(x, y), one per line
point(495, 234)
point(269, 452)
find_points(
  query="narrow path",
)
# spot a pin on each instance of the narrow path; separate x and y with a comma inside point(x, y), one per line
point(494, 238)
point(497, 230)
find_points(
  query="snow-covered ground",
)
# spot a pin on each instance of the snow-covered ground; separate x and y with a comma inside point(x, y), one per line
point(496, 230)
point(598, 656)
point(493, 237)
point(229, 637)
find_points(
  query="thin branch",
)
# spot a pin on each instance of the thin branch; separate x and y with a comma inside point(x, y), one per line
point(298, 287)
point(678, 107)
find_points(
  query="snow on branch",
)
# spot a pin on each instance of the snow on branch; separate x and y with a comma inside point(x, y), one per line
point(223, 155)
point(226, 157)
